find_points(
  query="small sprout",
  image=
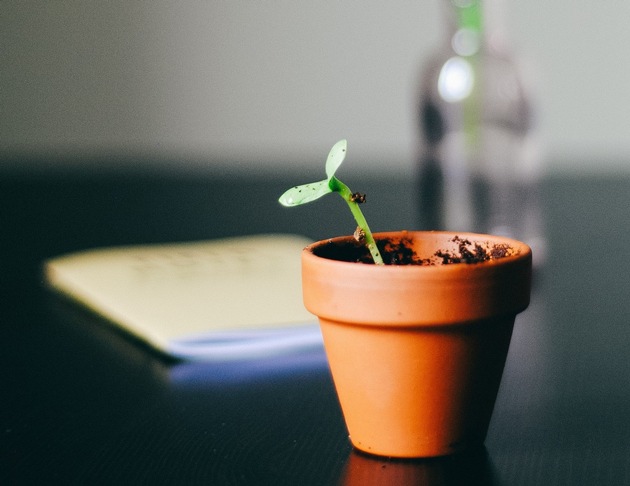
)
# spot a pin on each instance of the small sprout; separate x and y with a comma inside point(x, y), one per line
point(310, 192)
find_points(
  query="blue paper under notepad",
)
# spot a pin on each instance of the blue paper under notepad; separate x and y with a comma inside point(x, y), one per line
point(210, 300)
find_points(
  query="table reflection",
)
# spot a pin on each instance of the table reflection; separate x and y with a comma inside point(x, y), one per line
point(471, 468)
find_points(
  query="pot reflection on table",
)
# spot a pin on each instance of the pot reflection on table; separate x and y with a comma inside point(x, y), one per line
point(472, 467)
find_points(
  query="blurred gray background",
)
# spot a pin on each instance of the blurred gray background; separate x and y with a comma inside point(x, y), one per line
point(235, 83)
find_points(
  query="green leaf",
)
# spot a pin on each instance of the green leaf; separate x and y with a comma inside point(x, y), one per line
point(335, 157)
point(305, 193)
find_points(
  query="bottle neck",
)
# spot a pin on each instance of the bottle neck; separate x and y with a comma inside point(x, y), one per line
point(473, 25)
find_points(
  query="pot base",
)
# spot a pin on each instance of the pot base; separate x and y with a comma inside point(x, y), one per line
point(417, 392)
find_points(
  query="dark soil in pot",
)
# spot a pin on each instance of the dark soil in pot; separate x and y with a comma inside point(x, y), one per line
point(399, 251)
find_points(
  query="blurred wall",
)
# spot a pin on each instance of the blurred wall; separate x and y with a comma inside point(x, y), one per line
point(281, 81)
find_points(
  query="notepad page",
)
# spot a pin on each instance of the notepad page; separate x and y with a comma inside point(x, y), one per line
point(187, 291)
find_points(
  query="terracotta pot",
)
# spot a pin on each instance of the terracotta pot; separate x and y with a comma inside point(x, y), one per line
point(416, 352)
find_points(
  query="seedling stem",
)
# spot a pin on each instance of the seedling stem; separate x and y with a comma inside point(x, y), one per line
point(310, 192)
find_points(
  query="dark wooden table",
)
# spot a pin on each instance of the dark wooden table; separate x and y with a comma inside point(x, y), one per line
point(83, 404)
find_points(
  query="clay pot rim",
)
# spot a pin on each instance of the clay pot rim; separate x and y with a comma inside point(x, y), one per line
point(523, 252)
point(416, 295)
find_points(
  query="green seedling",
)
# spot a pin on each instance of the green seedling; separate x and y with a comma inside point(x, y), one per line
point(310, 192)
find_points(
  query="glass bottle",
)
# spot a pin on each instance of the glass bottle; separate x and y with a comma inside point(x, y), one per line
point(480, 160)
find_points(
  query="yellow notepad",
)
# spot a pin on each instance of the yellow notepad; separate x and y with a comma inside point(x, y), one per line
point(229, 298)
